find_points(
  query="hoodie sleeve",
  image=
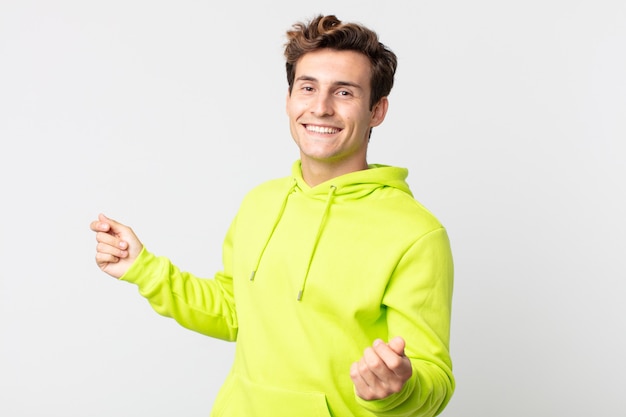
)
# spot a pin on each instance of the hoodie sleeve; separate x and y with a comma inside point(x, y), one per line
point(203, 305)
point(418, 301)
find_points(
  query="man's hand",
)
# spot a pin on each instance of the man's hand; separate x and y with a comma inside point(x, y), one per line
point(382, 370)
point(117, 247)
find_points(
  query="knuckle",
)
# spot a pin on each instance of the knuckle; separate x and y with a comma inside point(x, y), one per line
point(354, 371)
point(363, 367)
point(368, 396)
point(102, 248)
point(371, 358)
point(374, 362)
point(394, 387)
point(102, 237)
point(394, 363)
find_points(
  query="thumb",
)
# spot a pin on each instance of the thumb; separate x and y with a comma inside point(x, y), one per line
point(113, 225)
point(397, 344)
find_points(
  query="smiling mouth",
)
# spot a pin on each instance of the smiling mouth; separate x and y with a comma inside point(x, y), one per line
point(322, 129)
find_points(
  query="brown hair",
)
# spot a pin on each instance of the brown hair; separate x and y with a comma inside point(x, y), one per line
point(330, 32)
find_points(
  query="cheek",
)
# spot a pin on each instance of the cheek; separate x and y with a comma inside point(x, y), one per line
point(294, 110)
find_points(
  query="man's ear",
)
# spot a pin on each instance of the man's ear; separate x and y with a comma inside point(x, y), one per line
point(379, 111)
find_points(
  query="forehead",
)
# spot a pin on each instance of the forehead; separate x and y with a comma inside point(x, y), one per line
point(332, 66)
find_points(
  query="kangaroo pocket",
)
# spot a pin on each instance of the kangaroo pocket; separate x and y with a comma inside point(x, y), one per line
point(242, 398)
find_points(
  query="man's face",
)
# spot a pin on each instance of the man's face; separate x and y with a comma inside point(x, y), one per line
point(329, 107)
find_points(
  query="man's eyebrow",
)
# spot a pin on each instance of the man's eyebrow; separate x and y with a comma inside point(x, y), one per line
point(306, 78)
point(336, 83)
point(347, 84)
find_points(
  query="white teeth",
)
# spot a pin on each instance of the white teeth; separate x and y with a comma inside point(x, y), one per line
point(321, 129)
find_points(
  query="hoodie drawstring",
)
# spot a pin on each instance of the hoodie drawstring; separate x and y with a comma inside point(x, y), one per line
point(329, 200)
point(276, 221)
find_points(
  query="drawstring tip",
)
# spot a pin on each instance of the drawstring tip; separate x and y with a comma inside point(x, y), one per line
point(252, 274)
point(299, 295)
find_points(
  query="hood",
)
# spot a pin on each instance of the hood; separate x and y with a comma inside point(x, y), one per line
point(355, 184)
point(352, 186)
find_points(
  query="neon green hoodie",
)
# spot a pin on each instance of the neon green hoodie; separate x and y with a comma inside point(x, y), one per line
point(312, 276)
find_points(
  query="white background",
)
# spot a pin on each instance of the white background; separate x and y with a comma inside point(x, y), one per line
point(509, 115)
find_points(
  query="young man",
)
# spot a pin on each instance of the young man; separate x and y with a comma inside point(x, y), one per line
point(336, 282)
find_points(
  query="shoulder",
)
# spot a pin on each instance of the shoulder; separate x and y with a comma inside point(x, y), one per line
point(404, 215)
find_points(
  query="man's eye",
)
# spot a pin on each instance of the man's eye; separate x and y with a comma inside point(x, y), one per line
point(344, 93)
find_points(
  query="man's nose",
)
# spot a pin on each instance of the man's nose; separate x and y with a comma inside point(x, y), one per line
point(322, 105)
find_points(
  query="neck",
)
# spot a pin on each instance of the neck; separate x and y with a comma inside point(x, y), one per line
point(317, 172)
